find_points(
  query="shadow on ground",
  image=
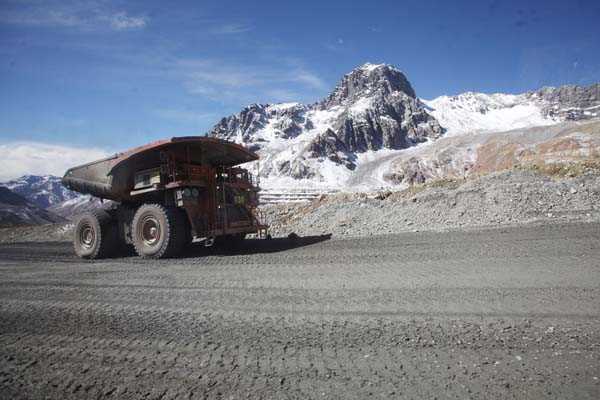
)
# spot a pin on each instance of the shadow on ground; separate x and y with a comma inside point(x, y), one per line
point(256, 246)
point(63, 251)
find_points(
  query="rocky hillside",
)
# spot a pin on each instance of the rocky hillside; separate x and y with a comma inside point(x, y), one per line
point(511, 197)
point(569, 102)
point(464, 155)
point(16, 210)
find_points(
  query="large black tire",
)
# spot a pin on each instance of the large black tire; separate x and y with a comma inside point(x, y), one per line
point(95, 235)
point(158, 231)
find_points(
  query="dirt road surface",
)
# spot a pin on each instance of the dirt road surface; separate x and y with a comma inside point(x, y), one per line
point(496, 313)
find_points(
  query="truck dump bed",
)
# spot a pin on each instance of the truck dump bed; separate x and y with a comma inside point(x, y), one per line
point(113, 178)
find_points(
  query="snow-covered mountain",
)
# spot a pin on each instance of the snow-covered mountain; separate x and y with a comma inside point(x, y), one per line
point(351, 139)
point(372, 110)
point(43, 191)
point(46, 193)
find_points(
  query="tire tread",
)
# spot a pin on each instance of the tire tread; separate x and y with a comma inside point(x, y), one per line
point(174, 231)
point(107, 235)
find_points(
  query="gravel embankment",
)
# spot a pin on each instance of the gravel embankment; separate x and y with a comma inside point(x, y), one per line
point(506, 198)
point(37, 233)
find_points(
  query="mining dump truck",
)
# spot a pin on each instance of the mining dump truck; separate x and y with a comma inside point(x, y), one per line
point(167, 194)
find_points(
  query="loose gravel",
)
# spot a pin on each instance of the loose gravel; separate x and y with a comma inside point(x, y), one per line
point(511, 312)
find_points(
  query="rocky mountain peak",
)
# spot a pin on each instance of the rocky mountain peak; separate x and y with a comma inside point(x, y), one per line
point(373, 107)
point(250, 119)
point(369, 80)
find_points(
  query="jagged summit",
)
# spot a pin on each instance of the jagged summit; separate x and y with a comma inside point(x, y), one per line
point(369, 80)
point(369, 66)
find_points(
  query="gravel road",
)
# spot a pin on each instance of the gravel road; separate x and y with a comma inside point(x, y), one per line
point(494, 313)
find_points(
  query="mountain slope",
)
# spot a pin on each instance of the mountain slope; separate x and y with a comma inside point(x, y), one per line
point(16, 210)
point(77, 205)
point(48, 194)
point(479, 112)
point(460, 156)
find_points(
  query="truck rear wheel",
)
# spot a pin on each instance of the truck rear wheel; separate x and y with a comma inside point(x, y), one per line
point(95, 235)
point(158, 231)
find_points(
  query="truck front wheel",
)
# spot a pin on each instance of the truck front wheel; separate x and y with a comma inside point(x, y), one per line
point(95, 235)
point(158, 231)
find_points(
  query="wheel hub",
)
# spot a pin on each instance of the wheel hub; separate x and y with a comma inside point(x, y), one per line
point(151, 231)
point(87, 236)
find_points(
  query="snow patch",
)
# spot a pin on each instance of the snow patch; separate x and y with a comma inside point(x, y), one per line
point(370, 67)
point(282, 106)
point(361, 106)
point(478, 112)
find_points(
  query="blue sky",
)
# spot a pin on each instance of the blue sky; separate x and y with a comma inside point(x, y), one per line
point(113, 74)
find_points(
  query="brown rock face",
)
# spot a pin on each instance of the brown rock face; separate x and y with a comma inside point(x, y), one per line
point(458, 157)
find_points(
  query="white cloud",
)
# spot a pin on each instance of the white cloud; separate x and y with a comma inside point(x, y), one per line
point(203, 73)
point(220, 80)
point(121, 21)
point(230, 29)
point(307, 77)
point(84, 15)
point(21, 158)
